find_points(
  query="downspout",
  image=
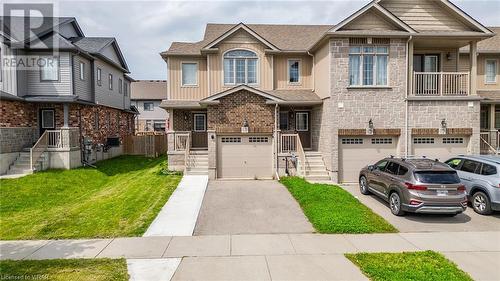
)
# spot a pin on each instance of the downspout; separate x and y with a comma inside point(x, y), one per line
point(313, 70)
point(276, 140)
point(406, 95)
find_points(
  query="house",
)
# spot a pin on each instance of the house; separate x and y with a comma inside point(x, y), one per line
point(322, 101)
point(146, 97)
point(71, 106)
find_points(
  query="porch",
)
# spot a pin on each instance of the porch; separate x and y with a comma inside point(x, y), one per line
point(490, 129)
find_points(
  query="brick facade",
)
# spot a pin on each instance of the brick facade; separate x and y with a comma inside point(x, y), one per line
point(17, 114)
point(232, 110)
point(182, 119)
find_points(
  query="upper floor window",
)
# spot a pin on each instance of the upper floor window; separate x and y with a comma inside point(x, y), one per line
point(120, 85)
point(189, 73)
point(99, 79)
point(497, 116)
point(240, 67)
point(293, 71)
point(82, 70)
point(125, 89)
point(49, 70)
point(490, 71)
point(110, 81)
point(368, 65)
point(148, 106)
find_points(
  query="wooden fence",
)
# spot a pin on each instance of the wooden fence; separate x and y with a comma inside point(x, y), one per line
point(147, 145)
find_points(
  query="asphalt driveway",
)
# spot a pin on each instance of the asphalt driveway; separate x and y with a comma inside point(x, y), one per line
point(252, 206)
point(467, 221)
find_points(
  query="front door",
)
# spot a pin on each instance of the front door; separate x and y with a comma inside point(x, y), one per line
point(47, 119)
point(302, 126)
point(199, 137)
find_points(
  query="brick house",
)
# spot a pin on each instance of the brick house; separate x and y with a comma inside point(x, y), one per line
point(322, 101)
point(81, 92)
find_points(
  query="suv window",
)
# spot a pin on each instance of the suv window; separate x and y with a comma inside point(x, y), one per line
point(488, 170)
point(381, 165)
point(402, 170)
point(454, 163)
point(437, 177)
point(392, 168)
point(471, 166)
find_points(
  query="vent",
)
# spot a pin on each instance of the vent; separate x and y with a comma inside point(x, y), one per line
point(382, 141)
point(453, 140)
point(352, 141)
point(358, 41)
point(381, 41)
point(423, 140)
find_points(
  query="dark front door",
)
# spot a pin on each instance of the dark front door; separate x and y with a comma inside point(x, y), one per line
point(199, 137)
point(302, 126)
point(47, 118)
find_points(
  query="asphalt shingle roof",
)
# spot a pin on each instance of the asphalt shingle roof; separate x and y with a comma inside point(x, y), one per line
point(490, 45)
point(92, 44)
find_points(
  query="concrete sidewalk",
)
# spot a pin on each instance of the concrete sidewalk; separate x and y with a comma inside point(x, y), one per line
point(284, 255)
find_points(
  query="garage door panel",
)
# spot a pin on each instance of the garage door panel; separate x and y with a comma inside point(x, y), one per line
point(441, 148)
point(357, 152)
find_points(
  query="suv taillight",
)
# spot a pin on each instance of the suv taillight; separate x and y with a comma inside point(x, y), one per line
point(461, 188)
point(415, 186)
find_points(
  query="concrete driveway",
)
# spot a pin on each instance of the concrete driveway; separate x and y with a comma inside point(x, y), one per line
point(252, 206)
point(467, 221)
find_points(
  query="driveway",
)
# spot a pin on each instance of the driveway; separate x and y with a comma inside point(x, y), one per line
point(246, 207)
point(467, 221)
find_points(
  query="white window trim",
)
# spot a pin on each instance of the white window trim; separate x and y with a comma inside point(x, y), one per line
point(110, 82)
point(196, 74)
point(58, 70)
point(204, 123)
point(99, 76)
point(82, 70)
point(257, 69)
point(53, 118)
point(297, 120)
point(486, 82)
point(374, 74)
point(120, 85)
point(148, 102)
point(288, 72)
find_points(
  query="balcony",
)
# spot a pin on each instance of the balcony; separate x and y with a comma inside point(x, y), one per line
point(441, 84)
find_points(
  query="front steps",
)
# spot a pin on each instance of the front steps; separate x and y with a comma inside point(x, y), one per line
point(21, 165)
point(315, 169)
point(197, 163)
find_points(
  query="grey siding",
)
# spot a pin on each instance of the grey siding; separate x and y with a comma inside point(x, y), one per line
point(103, 95)
point(126, 98)
point(60, 87)
point(68, 30)
point(8, 76)
point(110, 53)
point(82, 88)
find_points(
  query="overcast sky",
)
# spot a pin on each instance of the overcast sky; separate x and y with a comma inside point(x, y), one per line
point(145, 28)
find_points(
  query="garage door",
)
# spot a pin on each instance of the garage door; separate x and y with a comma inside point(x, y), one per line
point(357, 152)
point(440, 148)
point(247, 157)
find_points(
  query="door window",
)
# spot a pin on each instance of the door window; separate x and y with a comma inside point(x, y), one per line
point(381, 165)
point(302, 121)
point(200, 122)
point(48, 119)
point(471, 166)
point(284, 120)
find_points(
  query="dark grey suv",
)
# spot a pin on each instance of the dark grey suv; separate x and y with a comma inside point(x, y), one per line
point(415, 185)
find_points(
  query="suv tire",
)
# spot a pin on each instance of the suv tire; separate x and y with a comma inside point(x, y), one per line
point(363, 185)
point(481, 203)
point(395, 204)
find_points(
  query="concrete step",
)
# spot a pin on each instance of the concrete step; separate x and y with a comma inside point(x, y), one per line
point(312, 153)
point(196, 172)
point(316, 168)
point(198, 152)
point(316, 173)
point(19, 171)
point(317, 178)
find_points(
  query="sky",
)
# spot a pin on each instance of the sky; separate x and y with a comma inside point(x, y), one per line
point(146, 28)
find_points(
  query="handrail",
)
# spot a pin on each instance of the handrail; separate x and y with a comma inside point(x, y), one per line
point(180, 140)
point(302, 157)
point(441, 83)
point(187, 151)
point(38, 149)
point(486, 144)
point(498, 140)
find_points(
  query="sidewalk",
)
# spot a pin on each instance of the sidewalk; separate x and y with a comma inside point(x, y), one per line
point(294, 252)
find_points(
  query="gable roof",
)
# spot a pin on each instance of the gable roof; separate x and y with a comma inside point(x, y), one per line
point(283, 37)
point(96, 46)
point(148, 90)
point(238, 88)
point(236, 28)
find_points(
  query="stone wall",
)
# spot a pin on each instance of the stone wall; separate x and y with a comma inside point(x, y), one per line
point(15, 139)
point(232, 110)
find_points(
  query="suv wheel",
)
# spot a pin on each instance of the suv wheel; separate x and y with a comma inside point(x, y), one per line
point(363, 185)
point(395, 204)
point(481, 203)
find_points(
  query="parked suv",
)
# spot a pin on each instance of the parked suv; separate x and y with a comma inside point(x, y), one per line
point(415, 185)
point(481, 177)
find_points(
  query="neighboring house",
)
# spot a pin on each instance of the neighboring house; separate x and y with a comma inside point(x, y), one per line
point(256, 100)
point(82, 97)
point(146, 97)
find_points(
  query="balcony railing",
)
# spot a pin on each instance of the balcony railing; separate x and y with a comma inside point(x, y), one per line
point(490, 142)
point(441, 84)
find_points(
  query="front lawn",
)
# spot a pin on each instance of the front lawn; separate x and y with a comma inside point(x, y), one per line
point(119, 198)
point(333, 210)
point(64, 270)
point(414, 266)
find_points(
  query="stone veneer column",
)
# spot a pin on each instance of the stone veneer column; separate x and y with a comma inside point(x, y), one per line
point(212, 154)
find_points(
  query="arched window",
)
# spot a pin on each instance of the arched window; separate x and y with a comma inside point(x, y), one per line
point(240, 67)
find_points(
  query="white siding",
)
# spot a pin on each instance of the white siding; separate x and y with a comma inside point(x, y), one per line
point(158, 113)
point(60, 87)
point(8, 76)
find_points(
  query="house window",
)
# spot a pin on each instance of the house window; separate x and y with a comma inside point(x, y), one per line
point(148, 125)
point(240, 67)
point(497, 116)
point(148, 106)
point(484, 117)
point(294, 71)
point(368, 65)
point(125, 89)
point(48, 119)
point(49, 69)
point(491, 71)
point(96, 121)
point(283, 120)
point(99, 80)
point(82, 70)
point(159, 126)
point(110, 80)
point(189, 74)
point(302, 121)
point(200, 124)
point(120, 85)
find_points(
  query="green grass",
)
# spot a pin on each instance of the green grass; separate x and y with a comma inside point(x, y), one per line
point(65, 270)
point(119, 198)
point(331, 209)
point(413, 266)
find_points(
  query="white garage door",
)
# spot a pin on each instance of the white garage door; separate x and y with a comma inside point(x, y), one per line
point(245, 157)
point(357, 152)
point(442, 148)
